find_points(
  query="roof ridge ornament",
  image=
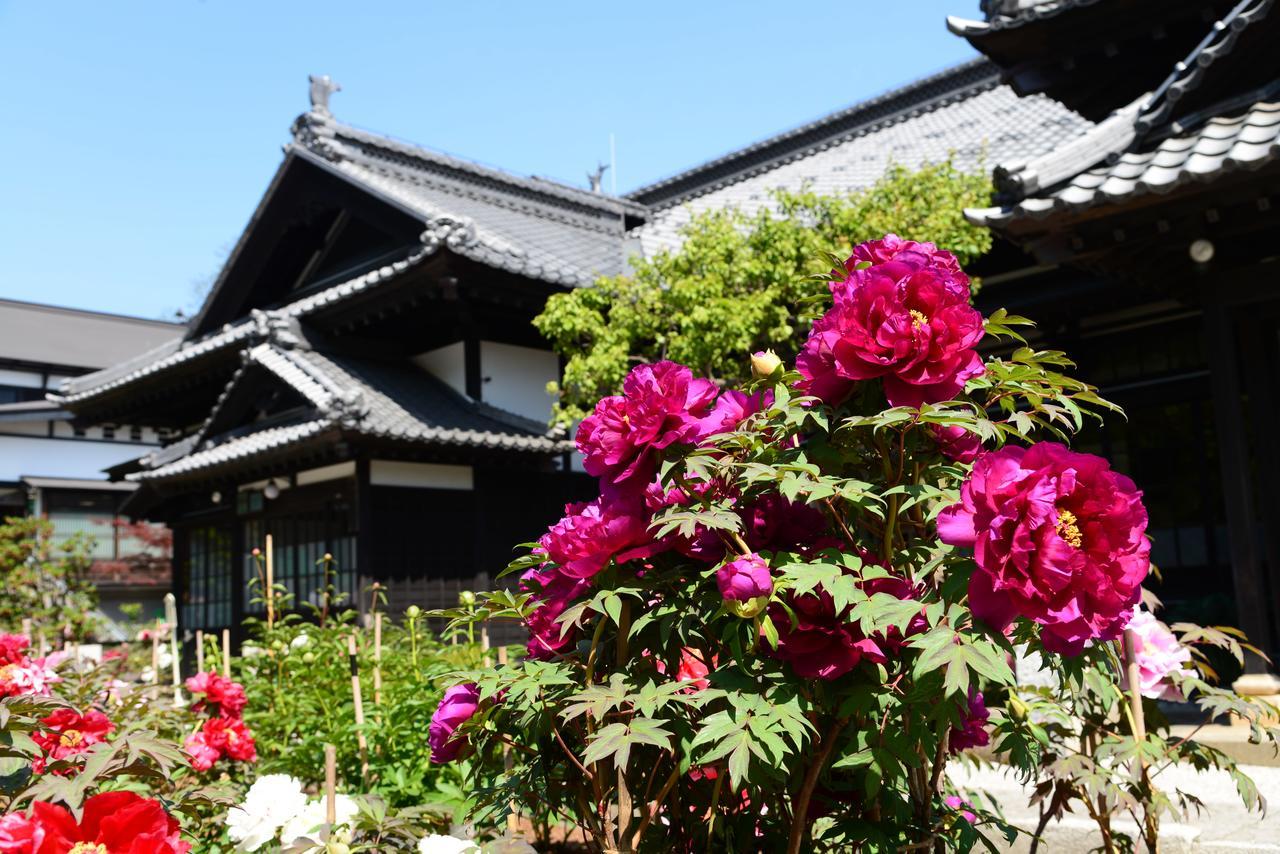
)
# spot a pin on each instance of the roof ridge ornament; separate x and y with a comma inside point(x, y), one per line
point(449, 231)
point(322, 87)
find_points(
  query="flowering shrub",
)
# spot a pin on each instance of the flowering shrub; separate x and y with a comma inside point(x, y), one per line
point(792, 603)
point(224, 732)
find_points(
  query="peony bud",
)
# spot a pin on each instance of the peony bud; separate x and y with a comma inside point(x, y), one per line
point(413, 612)
point(466, 598)
point(746, 585)
point(764, 363)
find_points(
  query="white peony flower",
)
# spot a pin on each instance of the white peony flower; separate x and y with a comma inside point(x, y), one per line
point(271, 801)
point(307, 832)
point(438, 844)
point(300, 641)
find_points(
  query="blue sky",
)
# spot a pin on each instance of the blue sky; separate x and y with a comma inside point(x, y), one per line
point(138, 136)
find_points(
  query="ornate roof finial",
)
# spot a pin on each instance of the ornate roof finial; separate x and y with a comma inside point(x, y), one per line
point(321, 88)
point(597, 177)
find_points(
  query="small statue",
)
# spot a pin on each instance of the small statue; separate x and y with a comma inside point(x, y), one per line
point(321, 88)
point(597, 177)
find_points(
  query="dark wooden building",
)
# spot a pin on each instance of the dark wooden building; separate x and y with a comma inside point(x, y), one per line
point(363, 379)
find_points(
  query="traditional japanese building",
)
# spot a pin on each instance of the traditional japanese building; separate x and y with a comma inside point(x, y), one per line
point(1153, 239)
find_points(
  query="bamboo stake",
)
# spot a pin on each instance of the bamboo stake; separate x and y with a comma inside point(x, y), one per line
point(155, 653)
point(377, 659)
point(171, 617)
point(271, 590)
point(26, 627)
point(199, 650)
point(361, 741)
point(330, 785)
point(1135, 699)
point(484, 642)
point(226, 653)
point(513, 817)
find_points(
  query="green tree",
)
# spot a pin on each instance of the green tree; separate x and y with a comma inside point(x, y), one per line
point(741, 281)
point(44, 581)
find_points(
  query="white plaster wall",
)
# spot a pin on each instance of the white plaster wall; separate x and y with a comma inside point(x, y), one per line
point(446, 363)
point(421, 475)
point(22, 379)
point(44, 457)
point(515, 378)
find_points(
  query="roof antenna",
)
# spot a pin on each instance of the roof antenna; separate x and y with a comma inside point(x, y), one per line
point(597, 177)
point(321, 88)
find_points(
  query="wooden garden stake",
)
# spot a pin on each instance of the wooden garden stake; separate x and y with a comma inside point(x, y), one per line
point(377, 659)
point(330, 785)
point(513, 818)
point(484, 642)
point(155, 653)
point(171, 617)
point(361, 741)
point(26, 627)
point(226, 653)
point(199, 650)
point(271, 590)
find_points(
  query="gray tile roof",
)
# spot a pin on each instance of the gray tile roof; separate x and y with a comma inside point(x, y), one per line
point(1139, 149)
point(1011, 14)
point(255, 327)
point(530, 226)
point(1224, 144)
point(964, 113)
point(358, 396)
point(75, 339)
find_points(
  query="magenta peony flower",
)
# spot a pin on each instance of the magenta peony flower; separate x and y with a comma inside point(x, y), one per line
point(731, 409)
point(704, 545)
point(555, 592)
point(916, 331)
point(772, 523)
point(746, 585)
point(899, 257)
point(222, 696)
point(592, 534)
point(958, 804)
point(957, 444)
point(1159, 655)
point(1058, 538)
point(973, 733)
point(821, 644)
point(660, 405)
point(458, 705)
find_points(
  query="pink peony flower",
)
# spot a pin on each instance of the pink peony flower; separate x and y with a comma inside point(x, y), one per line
point(1058, 538)
point(660, 405)
point(916, 331)
point(592, 534)
point(693, 669)
point(973, 732)
point(957, 444)
point(459, 704)
point(29, 676)
point(958, 803)
point(554, 591)
point(203, 755)
point(66, 734)
point(19, 834)
point(745, 584)
point(1159, 655)
point(222, 696)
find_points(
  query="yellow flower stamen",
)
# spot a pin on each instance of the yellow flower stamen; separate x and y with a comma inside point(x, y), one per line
point(1069, 528)
point(918, 319)
point(89, 848)
point(71, 738)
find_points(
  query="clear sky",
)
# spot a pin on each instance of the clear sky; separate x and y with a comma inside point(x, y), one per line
point(137, 137)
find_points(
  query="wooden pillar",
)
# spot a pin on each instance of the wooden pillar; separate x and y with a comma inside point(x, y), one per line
point(364, 532)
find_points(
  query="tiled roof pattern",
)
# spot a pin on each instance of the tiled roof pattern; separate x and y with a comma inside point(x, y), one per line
point(977, 128)
point(178, 351)
point(529, 226)
point(1224, 144)
point(389, 400)
point(1011, 14)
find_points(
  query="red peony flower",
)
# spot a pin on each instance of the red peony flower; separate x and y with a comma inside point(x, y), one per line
point(973, 733)
point(458, 705)
point(230, 736)
point(111, 823)
point(203, 755)
point(554, 591)
point(68, 733)
point(660, 405)
point(916, 331)
point(1058, 538)
point(13, 649)
point(694, 669)
point(592, 534)
point(222, 696)
point(957, 444)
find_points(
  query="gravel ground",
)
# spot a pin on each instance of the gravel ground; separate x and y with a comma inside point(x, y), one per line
point(1224, 826)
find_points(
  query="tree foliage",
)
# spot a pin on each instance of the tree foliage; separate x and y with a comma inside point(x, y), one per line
point(742, 281)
